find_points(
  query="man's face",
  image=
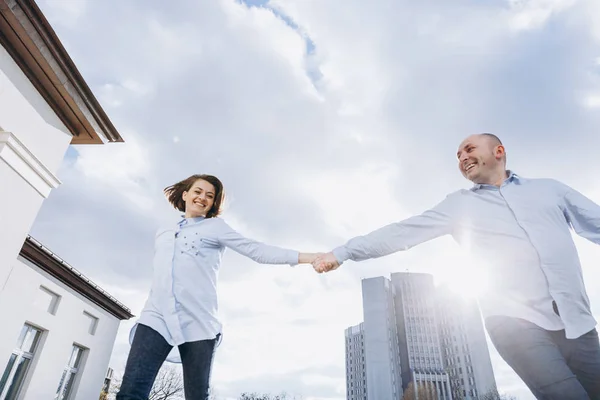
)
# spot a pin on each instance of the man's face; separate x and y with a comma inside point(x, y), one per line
point(477, 158)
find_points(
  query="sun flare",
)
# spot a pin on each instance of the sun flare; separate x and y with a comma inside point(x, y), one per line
point(464, 276)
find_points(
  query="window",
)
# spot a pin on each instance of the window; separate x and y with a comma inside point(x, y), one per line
point(108, 379)
point(19, 362)
point(65, 386)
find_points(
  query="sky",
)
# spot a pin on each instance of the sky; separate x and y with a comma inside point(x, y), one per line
point(325, 120)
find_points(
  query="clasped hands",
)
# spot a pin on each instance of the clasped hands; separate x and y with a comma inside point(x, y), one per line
point(323, 262)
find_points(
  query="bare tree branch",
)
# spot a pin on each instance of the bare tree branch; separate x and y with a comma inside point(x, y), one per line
point(494, 395)
point(256, 396)
point(167, 386)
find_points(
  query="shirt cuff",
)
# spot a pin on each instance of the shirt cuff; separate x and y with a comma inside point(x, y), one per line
point(341, 254)
point(293, 258)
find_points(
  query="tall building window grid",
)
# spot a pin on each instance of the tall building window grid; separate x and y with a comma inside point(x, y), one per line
point(454, 325)
point(356, 380)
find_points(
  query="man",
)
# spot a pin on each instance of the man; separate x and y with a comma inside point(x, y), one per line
point(537, 312)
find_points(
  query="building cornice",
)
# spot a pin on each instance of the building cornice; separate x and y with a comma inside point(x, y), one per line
point(32, 43)
point(23, 162)
point(36, 253)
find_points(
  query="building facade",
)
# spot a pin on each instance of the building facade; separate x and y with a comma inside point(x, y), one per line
point(45, 106)
point(382, 354)
point(419, 336)
point(356, 384)
point(57, 330)
point(465, 348)
point(420, 339)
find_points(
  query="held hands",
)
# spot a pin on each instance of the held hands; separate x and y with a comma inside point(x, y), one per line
point(321, 262)
point(325, 263)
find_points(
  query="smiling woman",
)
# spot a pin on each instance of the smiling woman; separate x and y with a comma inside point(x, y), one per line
point(181, 310)
point(197, 196)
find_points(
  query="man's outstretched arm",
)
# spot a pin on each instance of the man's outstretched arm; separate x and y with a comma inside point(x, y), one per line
point(583, 214)
point(392, 238)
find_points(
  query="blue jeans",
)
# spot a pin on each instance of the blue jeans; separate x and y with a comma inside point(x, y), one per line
point(552, 366)
point(149, 351)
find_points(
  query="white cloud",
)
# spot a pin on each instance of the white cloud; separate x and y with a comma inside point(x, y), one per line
point(592, 101)
point(533, 14)
point(68, 12)
point(137, 87)
point(591, 15)
point(126, 173)
point(355, 201)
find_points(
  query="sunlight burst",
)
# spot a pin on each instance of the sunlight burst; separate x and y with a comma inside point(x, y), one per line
point(464, 275)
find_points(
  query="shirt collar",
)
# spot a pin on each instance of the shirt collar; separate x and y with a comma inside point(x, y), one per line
point(512, 177)
point(186, 221)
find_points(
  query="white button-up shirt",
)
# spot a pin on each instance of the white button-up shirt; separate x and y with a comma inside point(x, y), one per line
point(182, 305)
point(520, 232)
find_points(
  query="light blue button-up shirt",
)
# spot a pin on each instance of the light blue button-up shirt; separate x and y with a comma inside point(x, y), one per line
point(182, 305)
point(521, 233)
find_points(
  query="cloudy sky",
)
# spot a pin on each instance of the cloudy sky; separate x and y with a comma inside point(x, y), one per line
point(324, 119)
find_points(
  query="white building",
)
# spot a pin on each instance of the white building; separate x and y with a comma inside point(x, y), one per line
point(45, 106)
point(356, 374)
point(58, 329)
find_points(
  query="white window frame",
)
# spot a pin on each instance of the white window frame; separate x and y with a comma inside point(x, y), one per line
point(72, 370)
point(29, 335)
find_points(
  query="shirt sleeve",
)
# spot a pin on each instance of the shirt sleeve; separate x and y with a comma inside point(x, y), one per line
point(400, 236)
point(257, 251)
point(583, 214)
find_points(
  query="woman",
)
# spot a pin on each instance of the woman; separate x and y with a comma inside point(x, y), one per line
point(181, 309)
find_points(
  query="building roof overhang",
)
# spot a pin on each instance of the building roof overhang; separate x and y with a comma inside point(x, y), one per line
point(32, 43)
point(36, 253)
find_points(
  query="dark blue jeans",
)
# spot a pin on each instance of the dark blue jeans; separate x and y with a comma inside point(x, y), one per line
point(552, 366)
point(149, 351)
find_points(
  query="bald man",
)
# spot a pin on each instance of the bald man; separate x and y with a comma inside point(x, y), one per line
point(536, 311)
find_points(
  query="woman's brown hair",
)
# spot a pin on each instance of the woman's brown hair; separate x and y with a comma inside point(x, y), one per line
point(174, 193)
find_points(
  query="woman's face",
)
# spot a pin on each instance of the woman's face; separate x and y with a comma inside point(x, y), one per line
point(199, 199)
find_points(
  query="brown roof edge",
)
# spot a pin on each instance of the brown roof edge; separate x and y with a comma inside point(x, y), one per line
point(50, 263)
point(30, 40)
